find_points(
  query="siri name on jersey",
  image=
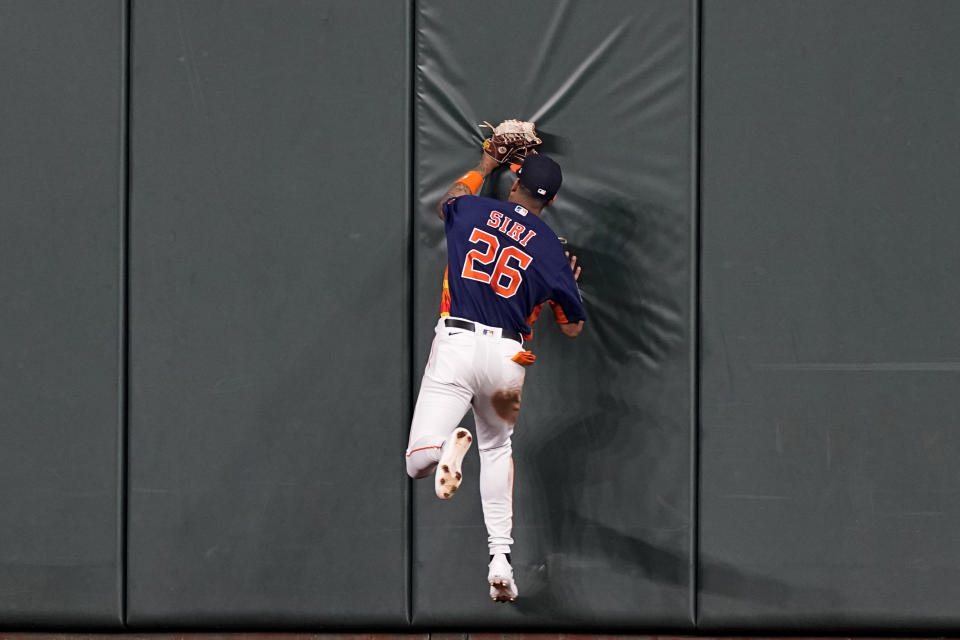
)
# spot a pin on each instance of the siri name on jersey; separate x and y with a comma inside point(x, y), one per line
point(511, 228)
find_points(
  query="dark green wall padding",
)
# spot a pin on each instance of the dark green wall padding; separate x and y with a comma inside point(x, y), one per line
point(269, 372)
point(60, 312)
point(830, 350)
point(602, 512)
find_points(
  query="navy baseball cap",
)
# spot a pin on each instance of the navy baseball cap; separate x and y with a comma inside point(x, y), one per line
point(540, 175)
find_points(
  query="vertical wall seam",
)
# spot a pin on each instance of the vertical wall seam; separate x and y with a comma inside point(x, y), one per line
point(124, 309)
point(696, 66)
point(411, 275)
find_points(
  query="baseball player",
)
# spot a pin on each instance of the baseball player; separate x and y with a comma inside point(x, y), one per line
point(503, 262)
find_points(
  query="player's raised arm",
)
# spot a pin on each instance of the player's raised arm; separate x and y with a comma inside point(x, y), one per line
point(470, 182)
point(510, 141)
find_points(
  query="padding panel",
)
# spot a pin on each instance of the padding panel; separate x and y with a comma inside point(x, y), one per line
point(60, 312)
point(269, 354)
point(830, 297)
point(602, 448)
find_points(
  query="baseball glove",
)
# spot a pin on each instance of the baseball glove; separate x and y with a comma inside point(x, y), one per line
point(511, 140)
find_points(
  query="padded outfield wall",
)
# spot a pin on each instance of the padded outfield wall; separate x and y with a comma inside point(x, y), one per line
point(222, 269)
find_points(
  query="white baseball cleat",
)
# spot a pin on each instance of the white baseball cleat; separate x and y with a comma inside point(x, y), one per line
point(448, 476)
point(502, 586)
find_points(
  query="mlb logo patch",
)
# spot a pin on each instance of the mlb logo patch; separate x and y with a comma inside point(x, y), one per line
point(489, 332)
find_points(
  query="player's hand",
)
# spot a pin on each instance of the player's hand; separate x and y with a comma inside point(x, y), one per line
point(573, 265)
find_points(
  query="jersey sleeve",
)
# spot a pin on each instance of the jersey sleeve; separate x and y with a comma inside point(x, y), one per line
point(566, 295)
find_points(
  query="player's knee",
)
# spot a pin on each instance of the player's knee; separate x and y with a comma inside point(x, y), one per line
point(416, 468)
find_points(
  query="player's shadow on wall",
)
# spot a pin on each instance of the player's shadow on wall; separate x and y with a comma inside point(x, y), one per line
point(601, 483)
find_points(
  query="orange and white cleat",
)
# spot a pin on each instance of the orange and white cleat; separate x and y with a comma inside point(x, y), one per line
point(449, 474)
point(502, 586)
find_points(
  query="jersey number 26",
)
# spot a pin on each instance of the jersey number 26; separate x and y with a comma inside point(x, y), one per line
point(502, 271)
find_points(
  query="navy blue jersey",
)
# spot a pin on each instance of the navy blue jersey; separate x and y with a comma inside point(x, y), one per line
point(502, 261)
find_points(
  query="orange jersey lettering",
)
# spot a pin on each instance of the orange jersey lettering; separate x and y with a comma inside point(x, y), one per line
point(516, 230)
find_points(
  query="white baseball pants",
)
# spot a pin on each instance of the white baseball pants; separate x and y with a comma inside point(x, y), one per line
point(472, 369)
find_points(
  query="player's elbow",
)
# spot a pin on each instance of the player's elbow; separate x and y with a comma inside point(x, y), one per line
point(572, 329)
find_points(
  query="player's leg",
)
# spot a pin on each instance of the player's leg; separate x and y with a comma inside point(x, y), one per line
point(496, 407)
point(496, 478)
point(496, 494)
point(438, 412)
point(442, 402)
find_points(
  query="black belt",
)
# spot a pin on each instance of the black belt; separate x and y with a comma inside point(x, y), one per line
point(469, 326)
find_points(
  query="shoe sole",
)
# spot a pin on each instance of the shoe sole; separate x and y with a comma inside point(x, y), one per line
point(501, 590)
point(449, 475)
